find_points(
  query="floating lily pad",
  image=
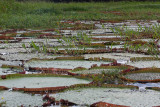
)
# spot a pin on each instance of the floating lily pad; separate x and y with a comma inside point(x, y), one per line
point(125, 97)
point(25, 56)
point(69, 64)
point(143, 76)
point(39, 82)
point(144, 64)
point(15, 99)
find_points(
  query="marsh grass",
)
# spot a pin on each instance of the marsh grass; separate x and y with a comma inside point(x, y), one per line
point(43, 15)
point(151, 32)
point(112, 77)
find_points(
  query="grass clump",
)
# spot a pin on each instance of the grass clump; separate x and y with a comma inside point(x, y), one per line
point(147, 47)
point(74, 8)
point(43, 15)
point(112, 77)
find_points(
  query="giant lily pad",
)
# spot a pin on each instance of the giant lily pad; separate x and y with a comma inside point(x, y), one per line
point(117, 96)
point(69, 64)
point(15, 99)
point(39, 82)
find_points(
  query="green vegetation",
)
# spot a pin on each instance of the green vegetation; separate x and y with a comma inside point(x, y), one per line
point(43, 15)
point(119, 68)
point(83, 86)
point(3, 102)
point(150, 47)
point(112, 77)
point(146, 70)
point(12, 76)
point(72, 43)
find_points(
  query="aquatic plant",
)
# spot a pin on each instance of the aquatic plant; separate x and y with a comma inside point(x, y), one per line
point(31, 34)
point(140, 46)
point(70, 58)
point(112, 77)
point(3, 88)
point(78, 69)
point(144, 70)
point(2, 103)
point(24, 46)
point(140, 81)
point(143, 59)
point(3, 77)
point(44, 90)
point(51, 101)
point(3, 37)
point(12, 67)
point(72, 42)
point(103, 104)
